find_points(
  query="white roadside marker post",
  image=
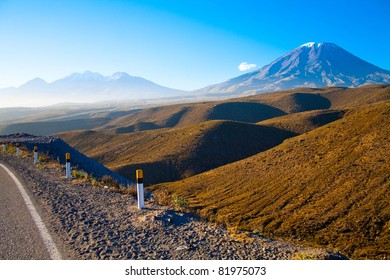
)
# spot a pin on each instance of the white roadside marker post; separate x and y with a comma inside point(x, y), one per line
point(17, 150)
point(4, 147)
point(35, 155)
point(67, 157)
point(140, 188)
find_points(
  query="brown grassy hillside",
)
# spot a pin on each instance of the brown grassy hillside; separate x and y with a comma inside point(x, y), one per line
point(305, 121)
point(304, 99)
point(330, 186)
point(172, 154)
point(248, 109)
point(182, 115)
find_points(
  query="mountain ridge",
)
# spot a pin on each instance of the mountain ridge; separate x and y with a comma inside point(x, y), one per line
point(85, 87)
point(309, 65)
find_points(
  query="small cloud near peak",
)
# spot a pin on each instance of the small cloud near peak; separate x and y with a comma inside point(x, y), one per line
point(244, 66)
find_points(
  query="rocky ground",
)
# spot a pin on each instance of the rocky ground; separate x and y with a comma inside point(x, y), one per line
point(98, 223)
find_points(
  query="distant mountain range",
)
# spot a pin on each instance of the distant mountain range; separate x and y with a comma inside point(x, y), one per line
point(310, 65)
point(86, 87)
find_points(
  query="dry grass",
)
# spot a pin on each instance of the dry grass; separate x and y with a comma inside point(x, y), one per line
point(326, 98)
point(310, 254)
point(327, 187)
point(242, 237)
point(172, 154)
point(303, 122)
point(184, 115)
point(248, 109)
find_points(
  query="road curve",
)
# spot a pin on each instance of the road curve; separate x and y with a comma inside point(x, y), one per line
point(23, 235)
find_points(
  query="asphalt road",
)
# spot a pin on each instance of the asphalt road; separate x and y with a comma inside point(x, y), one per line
point(20, 238)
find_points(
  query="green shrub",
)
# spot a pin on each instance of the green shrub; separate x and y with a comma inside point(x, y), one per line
point(180, 202)
point(43, 158)
point(77, 174)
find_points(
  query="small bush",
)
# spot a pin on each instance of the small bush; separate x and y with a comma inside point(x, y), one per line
point(94, 182)
point(107, 180)
point(43, 158)
point(77, 174)
point(40, 166)
point(180, 203)
point(313, 254)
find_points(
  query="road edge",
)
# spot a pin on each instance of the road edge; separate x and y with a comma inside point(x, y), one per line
point(45, 235)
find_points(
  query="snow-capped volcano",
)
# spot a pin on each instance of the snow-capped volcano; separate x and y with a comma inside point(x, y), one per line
point(309, 65)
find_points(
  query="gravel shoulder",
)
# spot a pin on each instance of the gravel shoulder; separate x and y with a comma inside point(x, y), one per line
point(96, 223)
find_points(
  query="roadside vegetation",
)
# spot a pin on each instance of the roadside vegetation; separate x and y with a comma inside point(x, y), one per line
point(78, 176)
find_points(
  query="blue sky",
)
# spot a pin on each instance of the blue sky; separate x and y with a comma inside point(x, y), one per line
point(176, 43)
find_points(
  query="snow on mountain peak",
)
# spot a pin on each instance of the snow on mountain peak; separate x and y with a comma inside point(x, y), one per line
point(309, 44)
point(312, 44)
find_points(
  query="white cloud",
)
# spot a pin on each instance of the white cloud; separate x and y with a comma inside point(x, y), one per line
point(244, 66)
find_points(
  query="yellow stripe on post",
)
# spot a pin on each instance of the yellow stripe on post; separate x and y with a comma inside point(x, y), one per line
point(139, 175)
point(67, 164)
point(35, 149)
point(17, 144)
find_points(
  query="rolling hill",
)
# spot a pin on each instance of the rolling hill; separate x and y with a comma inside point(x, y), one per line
point(248, 109)
point(182, 115)
point(173, 154)
point(303, 122)
point(169, 142)
point(304, 99)
point(128, 118)
point(328, 187)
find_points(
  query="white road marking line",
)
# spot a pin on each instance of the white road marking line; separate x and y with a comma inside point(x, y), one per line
point(47, 240)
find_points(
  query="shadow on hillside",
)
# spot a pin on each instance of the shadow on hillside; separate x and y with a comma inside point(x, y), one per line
point(244, 111)
point(300, 102)
point(53, 127)
point(223, 143)
point(141, 126)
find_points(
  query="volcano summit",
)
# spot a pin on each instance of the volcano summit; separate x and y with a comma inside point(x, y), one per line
point(309, 65)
